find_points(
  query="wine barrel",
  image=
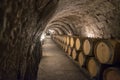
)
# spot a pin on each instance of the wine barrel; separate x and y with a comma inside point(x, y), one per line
point(72, 41)
point(74, 54)
point(111, 74)
point(107, 51)
point(65, 40)
point(68, 40)
point(93, 67)
point(88, 46)
point(81, 59)
point(66, 48)
point(78, 44)
point(69, 51)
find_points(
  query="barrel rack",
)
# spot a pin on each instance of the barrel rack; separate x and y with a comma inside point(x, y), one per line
point(99, 57)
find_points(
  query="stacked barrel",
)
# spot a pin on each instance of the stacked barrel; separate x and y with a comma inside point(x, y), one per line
point(99, 57)
point(60, 40)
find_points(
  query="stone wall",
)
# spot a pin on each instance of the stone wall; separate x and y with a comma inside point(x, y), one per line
point(21, 24)
point(90, 18)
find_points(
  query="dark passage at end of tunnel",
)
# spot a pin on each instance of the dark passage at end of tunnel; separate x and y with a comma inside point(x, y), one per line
point(79, 28)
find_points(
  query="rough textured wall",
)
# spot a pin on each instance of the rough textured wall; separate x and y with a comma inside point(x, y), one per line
point(90, 18)
point(21, 23)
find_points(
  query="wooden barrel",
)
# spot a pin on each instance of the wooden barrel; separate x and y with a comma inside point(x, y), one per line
point(93, 67)
point(74, 54)
point(78, 44)
point(81, 59)
point(107, 51)
point(66, 48)
point(69, 51)
point(65, 40)
point(88, 46)
point(68, 40)
point(111, 74)
point(72, 41)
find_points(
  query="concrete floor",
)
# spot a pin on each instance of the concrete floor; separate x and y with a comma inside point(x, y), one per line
point(55, 65)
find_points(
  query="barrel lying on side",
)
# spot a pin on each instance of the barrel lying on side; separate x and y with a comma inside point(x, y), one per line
point(111, 74)
point(75, 54)
point(88, 46)
point(66, 48)
point(65, 39)
point(68, 40)
point(72, 41)
point(69, 51)
point(78, 43)
point(93, 67)
point(81, 59)
point(107, 51)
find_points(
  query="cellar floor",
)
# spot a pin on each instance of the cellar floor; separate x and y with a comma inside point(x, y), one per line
point(55, 65)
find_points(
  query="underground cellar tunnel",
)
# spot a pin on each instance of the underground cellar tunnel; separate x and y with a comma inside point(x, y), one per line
point(84, 33)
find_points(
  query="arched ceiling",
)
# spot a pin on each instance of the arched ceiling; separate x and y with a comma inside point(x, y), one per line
point(94, 18)
point(60, 27)
point(59, 30)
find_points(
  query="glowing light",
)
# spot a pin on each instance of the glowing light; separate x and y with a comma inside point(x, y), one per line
point(89, 31)
point(90, 35)
point(51, 31)
point(42, 37)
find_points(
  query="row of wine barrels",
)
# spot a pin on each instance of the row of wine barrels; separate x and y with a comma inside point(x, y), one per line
point(92, 53)
point(72, 41)
point(59, 38)
point(65, 40)
point(107, 51)
point(111, 74)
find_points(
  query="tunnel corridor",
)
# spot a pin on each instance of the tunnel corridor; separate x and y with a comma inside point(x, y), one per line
point(84, 40)
point(55, 65)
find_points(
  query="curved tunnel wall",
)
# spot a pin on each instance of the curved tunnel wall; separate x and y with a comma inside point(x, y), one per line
point(22, 22)
point(66, 31)
point(66, 23)
point(98, 19)
point(88, 20)
point(59, 30)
